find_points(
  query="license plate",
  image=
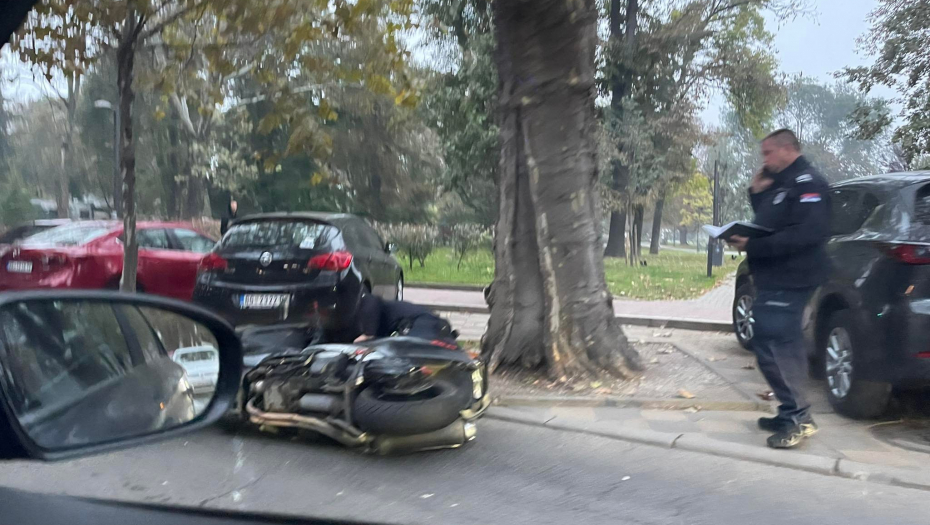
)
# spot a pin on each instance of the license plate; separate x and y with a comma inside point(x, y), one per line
point(19, 266)
point(261, 301)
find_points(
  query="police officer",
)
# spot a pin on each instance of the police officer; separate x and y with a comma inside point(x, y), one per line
point(377, 317)
point(791, 197)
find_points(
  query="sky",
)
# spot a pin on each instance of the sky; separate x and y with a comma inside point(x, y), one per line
point(818, 45)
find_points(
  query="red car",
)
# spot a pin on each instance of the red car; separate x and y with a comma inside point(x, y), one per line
point(89, 255)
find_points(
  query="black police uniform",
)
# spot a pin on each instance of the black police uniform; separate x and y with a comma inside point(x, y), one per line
point(382, 318)
point(786, 267)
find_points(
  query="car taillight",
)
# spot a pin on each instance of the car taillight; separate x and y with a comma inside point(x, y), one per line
point(909, 253)
point(331, 262)
point(212, 263)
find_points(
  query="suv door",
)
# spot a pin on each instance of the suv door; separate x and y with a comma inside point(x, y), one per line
point(851, 255)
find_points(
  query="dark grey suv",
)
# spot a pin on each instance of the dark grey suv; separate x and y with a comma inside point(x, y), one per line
point(868, 327)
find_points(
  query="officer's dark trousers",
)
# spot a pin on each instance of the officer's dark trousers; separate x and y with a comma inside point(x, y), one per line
point(779, 347)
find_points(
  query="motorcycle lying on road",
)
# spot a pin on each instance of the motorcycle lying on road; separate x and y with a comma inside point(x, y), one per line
point(391, 395)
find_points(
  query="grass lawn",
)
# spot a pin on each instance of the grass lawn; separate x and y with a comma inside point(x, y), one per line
point(671, 274)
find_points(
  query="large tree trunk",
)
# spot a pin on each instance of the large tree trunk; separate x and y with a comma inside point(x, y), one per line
point(169, 181)
point(550, 306)
point(657, 225)
point(683, 235)
point(620, 82)
point(125, 60)
point(67, 147)
point(616, 235)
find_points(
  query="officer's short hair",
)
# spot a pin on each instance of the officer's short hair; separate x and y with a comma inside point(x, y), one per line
point(784, 137)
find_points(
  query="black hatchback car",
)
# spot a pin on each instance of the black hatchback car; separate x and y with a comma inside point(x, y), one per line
point(868, 327)
point(297, 268)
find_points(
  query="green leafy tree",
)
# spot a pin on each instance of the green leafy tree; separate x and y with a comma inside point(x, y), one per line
point(897, 41)
point(460, 100)
point(661, 61)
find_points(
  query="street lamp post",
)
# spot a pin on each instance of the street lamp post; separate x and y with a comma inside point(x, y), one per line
point(117, 179)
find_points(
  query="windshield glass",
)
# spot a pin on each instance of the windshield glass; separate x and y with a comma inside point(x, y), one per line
point(304, 234)
point(74, 235)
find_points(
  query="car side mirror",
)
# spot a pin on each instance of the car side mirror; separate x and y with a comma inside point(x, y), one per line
point(390, 247)
point(85, 371)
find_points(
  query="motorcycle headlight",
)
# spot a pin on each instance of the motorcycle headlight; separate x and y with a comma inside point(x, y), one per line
point(477, 383)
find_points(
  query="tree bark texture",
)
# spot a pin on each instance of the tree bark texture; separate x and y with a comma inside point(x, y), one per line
point(657, 225)
point(550, 307)
point(622, 33)
point(683, 235)
point(169, 181)
point(125, 60)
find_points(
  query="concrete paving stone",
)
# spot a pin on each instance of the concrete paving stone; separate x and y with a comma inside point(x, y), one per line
point(889, 458)
point(917, 478)
point(746, 438)
point(679, 427)
point(664, 415)
point(616, 414)
point(785, 458)
point(747, 417)
point(616, 430)
point(581, 413)
point(519, 415)
point(724, 426)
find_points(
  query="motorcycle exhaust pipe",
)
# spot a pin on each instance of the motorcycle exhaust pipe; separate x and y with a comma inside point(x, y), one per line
point(452, 436)
point(328, 404)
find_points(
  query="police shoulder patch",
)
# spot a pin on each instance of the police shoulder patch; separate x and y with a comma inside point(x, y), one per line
point(779, 197)
point(810, 197)
point(807, 177)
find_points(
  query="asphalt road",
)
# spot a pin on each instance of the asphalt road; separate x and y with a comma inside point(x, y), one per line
point(512, 474)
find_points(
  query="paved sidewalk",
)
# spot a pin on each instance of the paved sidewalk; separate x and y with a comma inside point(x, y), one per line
point(839, 438)
point(715, 305)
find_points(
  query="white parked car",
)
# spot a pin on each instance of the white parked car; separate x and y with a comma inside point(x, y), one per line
point(202, 364)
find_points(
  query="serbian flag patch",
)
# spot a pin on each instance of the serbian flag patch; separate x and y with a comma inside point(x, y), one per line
point(810, 197)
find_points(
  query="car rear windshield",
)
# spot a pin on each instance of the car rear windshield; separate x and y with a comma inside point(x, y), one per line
point(307, 235)
point(69, 235)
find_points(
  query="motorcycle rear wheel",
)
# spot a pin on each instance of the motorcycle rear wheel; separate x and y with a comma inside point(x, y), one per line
point(397, 415)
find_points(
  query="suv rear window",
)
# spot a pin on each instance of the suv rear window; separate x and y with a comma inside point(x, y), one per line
point(922, 205)
point(307, 235)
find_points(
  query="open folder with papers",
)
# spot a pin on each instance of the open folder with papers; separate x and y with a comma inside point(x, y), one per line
point(743, 229)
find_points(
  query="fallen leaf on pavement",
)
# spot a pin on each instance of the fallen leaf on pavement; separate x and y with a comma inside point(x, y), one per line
point(768, 395)
point(749, 367)
point(596, 384)
point(685, 394)
point(654, 361)
point(692, 410)
point(625, 478)
point(661, 334)
point(715, 358)
point(664, 351)
point(604, 391)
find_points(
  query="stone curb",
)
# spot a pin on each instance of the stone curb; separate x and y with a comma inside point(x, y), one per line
point(622, 402)
point(702, 325)
point(447, 286)
point(702, 444)
point(915, 479)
